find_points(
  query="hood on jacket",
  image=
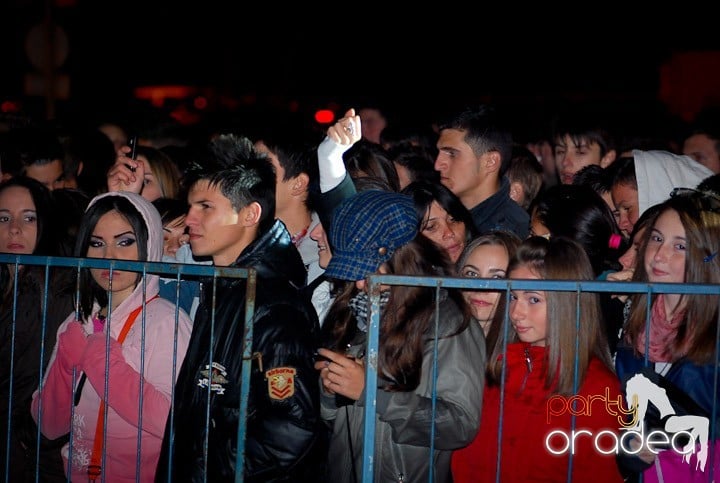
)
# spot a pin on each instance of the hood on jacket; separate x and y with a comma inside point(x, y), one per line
point(658, 172)
point(153, 223)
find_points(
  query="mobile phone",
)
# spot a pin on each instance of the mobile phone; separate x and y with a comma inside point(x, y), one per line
point(132, 142)
point(318, 357)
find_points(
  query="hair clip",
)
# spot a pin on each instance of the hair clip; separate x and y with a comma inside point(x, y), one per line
point(710, 257)
point(614, 241)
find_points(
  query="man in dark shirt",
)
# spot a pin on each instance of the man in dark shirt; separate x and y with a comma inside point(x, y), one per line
point(474, 150)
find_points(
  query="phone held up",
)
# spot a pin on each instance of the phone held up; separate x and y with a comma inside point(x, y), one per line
point(132, 142)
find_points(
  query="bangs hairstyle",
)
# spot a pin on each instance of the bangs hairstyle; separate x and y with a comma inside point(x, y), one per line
point(424, 193)
point(90, 291)
point(582, 125)
point(561, 258)
point(699, 215)
point(241, 173)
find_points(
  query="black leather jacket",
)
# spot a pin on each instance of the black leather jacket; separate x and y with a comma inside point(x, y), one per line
point(283, 428)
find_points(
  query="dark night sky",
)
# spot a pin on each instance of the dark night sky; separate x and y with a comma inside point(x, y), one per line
point(411, 65)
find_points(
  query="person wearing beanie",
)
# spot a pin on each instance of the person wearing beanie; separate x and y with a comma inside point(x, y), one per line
point(377, 231)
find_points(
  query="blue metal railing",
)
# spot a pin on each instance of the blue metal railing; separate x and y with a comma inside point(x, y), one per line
point(144, 268)
point(505, 286)
point(181, 271)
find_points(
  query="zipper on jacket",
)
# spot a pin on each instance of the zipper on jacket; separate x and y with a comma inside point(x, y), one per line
point(529, 364)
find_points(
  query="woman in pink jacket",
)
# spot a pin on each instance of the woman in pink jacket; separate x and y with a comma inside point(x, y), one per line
point(147, 340)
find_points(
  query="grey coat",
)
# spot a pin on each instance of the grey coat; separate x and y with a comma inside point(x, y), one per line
point(402, 425)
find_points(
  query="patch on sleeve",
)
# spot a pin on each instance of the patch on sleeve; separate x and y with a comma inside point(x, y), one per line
point(281, 382)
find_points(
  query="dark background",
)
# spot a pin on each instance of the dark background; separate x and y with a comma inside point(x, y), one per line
point(416, 64)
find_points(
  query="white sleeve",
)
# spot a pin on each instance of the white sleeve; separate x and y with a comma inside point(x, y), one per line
point(331, 164)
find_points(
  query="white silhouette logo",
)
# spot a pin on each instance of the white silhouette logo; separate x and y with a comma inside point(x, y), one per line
point(642, 390)
point(639, 391)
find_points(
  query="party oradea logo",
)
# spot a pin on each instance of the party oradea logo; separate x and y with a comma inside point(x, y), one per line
point(679, 434)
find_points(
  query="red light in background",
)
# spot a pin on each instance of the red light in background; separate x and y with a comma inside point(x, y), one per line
point(184, 116)
point(9, 107)
point(324, 116)
point(200, 103)
point(157, 94)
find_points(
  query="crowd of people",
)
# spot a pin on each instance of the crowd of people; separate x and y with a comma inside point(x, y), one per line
point(112, 374)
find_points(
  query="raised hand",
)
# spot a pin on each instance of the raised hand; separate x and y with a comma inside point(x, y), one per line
point(126, 174)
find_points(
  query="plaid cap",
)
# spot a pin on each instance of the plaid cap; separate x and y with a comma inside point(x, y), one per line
point(366, 230)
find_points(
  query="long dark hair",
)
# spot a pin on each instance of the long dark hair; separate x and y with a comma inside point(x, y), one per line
point(90, 291)
point(406, 318)
point(44, 242)
point(578, 212)
point(425, 192)
point(42, 199)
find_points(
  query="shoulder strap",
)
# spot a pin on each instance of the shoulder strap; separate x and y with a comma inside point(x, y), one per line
point(95, 466)
point(310, 288)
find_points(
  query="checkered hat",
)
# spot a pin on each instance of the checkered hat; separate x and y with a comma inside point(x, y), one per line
point(366, 230)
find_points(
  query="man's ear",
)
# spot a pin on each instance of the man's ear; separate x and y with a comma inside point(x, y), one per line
point(250, 215)
point(80, 168)
point(493, 161)
point(608, 159)
point(300, 184)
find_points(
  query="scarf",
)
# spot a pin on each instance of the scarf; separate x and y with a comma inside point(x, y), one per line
point(662, 333)
point(359, 305)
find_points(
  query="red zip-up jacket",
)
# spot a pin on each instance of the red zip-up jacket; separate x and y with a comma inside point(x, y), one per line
point(524, 456)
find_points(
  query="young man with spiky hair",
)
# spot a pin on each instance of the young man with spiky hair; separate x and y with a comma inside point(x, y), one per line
point(231, 218)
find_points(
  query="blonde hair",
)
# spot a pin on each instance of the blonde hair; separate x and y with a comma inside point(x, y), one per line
point(164, 169)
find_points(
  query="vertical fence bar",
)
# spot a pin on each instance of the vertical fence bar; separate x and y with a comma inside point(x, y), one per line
point(246, 371)
point(371, 383)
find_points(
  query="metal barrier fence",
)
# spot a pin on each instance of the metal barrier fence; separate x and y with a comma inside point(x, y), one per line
point(180, 272)
point(506, 286)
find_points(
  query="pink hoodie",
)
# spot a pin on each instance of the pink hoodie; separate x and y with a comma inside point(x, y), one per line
point(56, 393)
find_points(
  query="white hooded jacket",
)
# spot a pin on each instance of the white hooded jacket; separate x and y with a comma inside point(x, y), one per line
point(659, 172)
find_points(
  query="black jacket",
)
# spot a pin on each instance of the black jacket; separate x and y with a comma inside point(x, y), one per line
point(29, 338)
point(500, 212)
point(283, 428)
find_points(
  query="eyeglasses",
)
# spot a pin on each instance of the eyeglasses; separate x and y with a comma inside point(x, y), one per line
point(709, 200)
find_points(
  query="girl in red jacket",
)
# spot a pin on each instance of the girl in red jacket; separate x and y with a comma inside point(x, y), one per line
point(531, 411)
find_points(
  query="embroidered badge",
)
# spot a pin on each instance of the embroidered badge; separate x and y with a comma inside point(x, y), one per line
point(216, 378)
point(281, 382)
